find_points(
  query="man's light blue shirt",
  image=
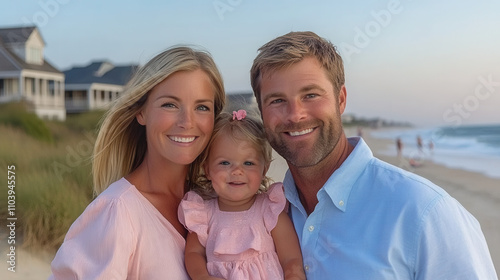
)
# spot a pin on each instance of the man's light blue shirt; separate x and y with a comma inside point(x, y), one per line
point(376, 221)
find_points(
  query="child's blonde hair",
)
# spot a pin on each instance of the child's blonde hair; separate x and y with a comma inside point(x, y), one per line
point(249, 129)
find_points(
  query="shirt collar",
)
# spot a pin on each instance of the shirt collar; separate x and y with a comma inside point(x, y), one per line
point(339, 186)
point(291, 192)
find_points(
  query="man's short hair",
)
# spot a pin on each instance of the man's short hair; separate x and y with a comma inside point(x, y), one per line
point(291, 48)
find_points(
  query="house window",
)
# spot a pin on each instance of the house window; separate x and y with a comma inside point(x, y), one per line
point(51, 88)
point(103, 95)
point(2, 93)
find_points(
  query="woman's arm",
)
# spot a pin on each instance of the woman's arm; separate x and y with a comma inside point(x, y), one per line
point(196, 259)
point(288, 248)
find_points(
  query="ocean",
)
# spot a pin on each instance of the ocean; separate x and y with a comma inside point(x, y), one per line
point(474, 148)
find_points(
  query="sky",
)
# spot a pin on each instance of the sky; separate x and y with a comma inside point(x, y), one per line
point(430, 63)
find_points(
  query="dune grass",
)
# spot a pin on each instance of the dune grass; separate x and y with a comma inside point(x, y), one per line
point(53, 174)
point(17, 115)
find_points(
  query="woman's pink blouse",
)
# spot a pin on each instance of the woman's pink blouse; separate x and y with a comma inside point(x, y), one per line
point(121, 235)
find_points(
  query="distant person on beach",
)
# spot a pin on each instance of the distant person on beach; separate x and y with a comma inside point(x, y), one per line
point(420, 144)
point(238, 228)
point(145, 148)
point(431, 147)
point(399, 147)
point(356, 216)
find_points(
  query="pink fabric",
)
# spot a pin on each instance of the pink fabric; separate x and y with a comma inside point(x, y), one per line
point(238, 245)
point(121, 235)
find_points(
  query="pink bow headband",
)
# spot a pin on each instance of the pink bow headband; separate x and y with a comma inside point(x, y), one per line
point(239, 115)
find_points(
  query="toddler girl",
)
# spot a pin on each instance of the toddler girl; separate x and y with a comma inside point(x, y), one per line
point(238, 228)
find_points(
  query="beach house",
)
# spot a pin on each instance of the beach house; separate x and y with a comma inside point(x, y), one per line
point(26, 75)
point(95, 86)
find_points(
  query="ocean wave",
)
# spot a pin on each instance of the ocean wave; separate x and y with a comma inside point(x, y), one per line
point(473, 148)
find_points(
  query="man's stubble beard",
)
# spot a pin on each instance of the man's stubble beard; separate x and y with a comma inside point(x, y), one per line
point(302, 156)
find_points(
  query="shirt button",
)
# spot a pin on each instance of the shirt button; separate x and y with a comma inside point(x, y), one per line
point(306, 267)
point(311, 228)
point(341, 203)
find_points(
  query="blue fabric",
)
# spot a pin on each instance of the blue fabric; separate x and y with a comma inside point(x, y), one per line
point(376, 221)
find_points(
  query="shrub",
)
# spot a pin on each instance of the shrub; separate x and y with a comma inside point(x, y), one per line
point(16, 114)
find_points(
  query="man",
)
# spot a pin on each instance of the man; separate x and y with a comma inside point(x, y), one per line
point(356, 216)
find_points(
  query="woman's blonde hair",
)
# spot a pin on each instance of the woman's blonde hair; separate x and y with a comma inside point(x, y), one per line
point(121, 144)
point(248, 129)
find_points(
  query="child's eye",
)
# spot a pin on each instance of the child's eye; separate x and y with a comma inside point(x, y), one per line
point(249, 163)
point(224, 162)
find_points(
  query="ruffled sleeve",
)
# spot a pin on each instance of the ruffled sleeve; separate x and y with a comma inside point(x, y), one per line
point(273, 205)
point(193, 214)
point(98, 245)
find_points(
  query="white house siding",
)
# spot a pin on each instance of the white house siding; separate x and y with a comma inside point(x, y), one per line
point(34, 42)
point(46, 92)
point(101, 95)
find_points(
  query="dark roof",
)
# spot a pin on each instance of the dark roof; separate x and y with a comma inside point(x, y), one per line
point(16, 34)
point(117, 75)
point(9, 61)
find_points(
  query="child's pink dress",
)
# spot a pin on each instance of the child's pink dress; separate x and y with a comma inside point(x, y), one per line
point(238, 245)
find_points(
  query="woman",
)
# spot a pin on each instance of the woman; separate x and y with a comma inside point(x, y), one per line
point(145, 148)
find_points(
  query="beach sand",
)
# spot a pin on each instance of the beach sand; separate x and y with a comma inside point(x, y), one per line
point(29, 265)
point(479, 194)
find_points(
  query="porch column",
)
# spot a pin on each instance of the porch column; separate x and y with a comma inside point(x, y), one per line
point(44, 95)
point(90, 98)
point(61, 93)
point(21, 86)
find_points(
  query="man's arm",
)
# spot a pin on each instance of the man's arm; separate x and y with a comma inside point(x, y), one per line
point(451, 245)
